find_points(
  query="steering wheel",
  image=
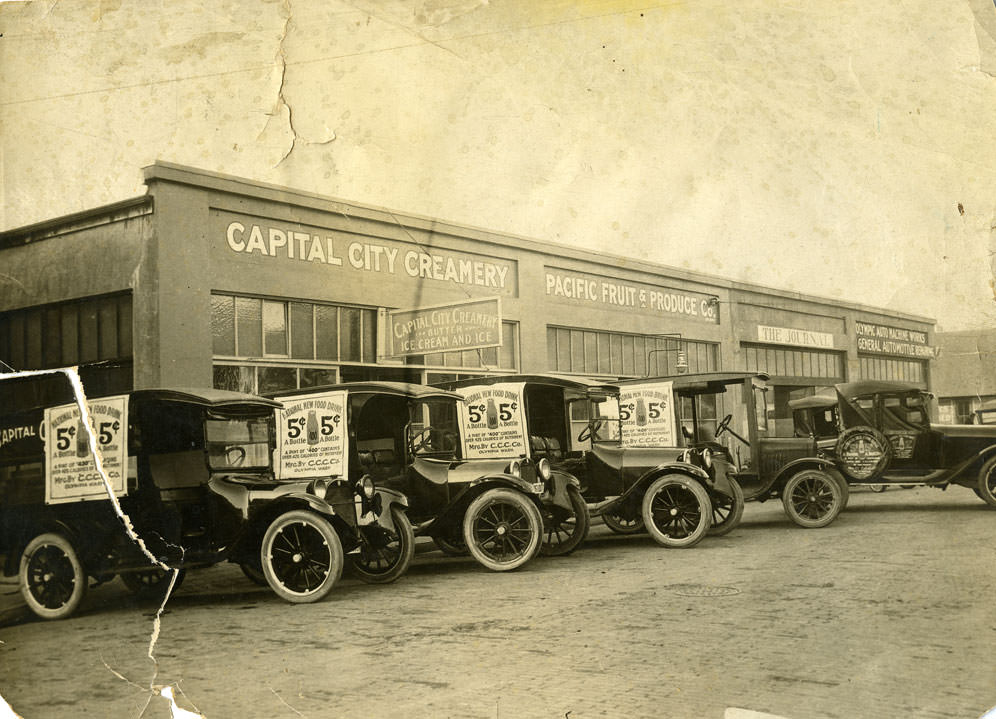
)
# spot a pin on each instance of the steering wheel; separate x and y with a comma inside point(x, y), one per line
point(723, 426)
point(235, 455)
point(592, 427)
point(421, 441)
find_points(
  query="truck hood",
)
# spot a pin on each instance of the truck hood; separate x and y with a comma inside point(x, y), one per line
point(966, 430)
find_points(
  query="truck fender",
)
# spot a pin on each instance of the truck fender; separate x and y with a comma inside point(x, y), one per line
point(797, 465)
point(556, 491)
point(640, 486)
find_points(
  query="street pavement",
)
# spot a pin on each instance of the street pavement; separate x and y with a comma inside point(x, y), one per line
point(885, 613)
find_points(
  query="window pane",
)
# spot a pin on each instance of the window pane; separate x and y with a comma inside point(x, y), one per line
point(326, 332)
point(563, 350)
point(469, 358)
point(640, 356)
point(627, 356)
point(108, 321)
point(590, 352)
point(223, 324)
point(88, 332)
point(508, 348)
point(615, 353)
point(604, 356)
point(236, 379)
point(51, 353)
point(124, 326)
point(577, 351)
point(489, 357)
point(435, 359)
point(350, 342)
point(33, 340)
point(275, 328)
point(70, 334)
point(318, 377)
point(302, 334)
point(369, 320)
point(250, 327)
point(272, 379)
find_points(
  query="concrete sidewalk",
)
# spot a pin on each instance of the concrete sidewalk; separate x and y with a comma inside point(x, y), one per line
point(12, 608)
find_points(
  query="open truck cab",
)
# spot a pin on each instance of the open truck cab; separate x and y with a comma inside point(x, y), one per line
point(187, 481)
point(404, 441)
point(576, 425)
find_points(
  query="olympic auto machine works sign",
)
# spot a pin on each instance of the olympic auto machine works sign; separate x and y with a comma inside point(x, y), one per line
point(882, 339)
point(646, 412)
point(491, 422)
point(474, 324)
point(312, 439)
point(70, 469)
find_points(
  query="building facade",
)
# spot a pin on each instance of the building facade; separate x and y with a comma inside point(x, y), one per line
point(965, 374)
point(215, 280)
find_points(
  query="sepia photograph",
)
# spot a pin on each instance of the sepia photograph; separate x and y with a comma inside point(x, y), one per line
point(497, 359)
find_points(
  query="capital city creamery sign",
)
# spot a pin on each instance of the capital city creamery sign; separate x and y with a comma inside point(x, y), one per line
point(445, 328)
point(882, 339)
point(272, 241)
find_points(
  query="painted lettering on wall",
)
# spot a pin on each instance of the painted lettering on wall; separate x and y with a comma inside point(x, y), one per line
point(883, 339)
point(791, 336)
point(619, 294)
point(445, 328)
point(385, 257)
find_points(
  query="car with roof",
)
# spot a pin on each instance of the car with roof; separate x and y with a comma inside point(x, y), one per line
point(575, 424)
point(726, 413)
point(406, 438)
point(185, 480)
point(887, 437)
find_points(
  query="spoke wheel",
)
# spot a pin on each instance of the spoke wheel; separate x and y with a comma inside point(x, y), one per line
point(302, 556)
point(563, 531)
point(621, 525)
point(452, 546)
point(845, 490)
point(385, 554)
point(151, 583)
point(503, 529)
point(53, 582)
point(812, 498)
point(986, 486)
point(677, 511)
point(727, 511)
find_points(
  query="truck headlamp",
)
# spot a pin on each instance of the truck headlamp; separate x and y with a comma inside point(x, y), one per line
point(543, 466)
point(707, 457)
point(367, 486)
point(515, 468)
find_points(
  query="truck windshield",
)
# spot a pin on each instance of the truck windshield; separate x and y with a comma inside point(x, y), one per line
point(238, 443)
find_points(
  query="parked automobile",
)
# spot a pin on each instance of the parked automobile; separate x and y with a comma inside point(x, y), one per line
point(574, 423)
point(713, 404)
point(406, 438)
point(192, 473)
point(887, 439)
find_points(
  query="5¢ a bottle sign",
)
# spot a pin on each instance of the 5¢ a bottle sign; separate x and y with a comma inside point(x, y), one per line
point(70, 469)
point(491, 421)
point(646, 413)
point(312, 439)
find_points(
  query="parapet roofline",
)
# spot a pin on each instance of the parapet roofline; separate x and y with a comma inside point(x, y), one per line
point(186, 175)
point(104, 214)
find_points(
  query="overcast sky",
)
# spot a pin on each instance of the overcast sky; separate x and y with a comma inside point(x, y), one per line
point(843, 149)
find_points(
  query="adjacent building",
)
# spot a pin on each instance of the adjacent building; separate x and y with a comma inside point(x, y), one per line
point(216, 280)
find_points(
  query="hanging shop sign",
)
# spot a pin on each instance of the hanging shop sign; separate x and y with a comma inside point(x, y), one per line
point(70, 469)
point(886, 340)
point(613, 293)
point(794, 337)
point(271, 241)
point(492, 424)
point(474, 324)
point(311, 436)
point(646, 415)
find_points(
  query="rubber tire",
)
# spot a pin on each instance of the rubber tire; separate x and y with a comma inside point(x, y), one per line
point(521, 502)
point(142, 589)
point(879, 438)
point(406, 552)
point(828, 483)
point(730, 522)
point(671, 482)
point(451, 548)
point(79, 579)
point(877, 488)
point(616, 524)
point(582, 521)
point(845, 489)
point(254, 574)
point(986, 485)
point(329, 538)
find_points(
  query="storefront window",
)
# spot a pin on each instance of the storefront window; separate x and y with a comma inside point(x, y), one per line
point(223, 324)
point(625, 355)
point(318, 377)
point(326, 332)
point(249, 327)
point(302, 330)
point(893, 370)
point(272, 379)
